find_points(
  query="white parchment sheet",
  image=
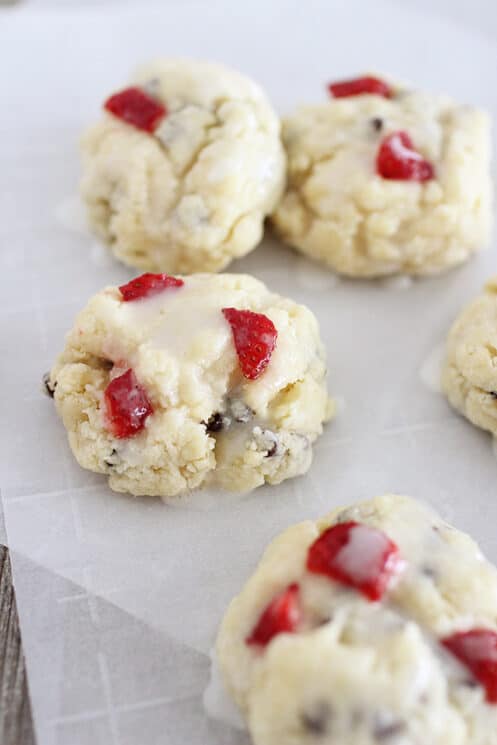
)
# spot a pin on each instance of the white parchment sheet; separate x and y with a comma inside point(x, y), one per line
point(119, 598)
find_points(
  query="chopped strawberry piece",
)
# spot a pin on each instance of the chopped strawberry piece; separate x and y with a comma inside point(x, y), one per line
point(255, 337)
point(127, 405)
point(397, 159)
point(359, 86)
point(281, 615)
point(477, 649)
point(147, 285)
point(356, 555)
point(137, 108)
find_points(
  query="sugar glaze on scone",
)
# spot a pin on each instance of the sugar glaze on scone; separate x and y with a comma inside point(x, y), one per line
point(309, 656)
point(169, 383)
point(187, 187)
point(469, 377)
point(345, 204)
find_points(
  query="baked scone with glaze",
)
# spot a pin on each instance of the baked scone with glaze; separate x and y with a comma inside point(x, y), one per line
point(375, 624)
point(168, 383)
point(469, 377)
point(184, 166)
point(383, 180)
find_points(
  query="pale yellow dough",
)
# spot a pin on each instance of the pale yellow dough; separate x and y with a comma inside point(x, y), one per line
point(181, 350)
point(469, 376)
point(193, 195)
point(340, 211)
point(362, 673)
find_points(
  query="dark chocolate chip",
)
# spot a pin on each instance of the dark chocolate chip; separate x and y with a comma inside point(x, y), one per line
point(325, 620)
point(216, 422)
point(49, 389)
point(316, 721)
point(272, 450)
point(110, 463)
point(493, 394)
point(384, 731)
point(105, 364)
point(377, 123)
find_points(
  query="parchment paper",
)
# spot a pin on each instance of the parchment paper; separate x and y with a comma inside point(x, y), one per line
point(119, 598)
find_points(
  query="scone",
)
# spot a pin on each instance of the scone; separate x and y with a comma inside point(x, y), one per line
point(376, 624)
point(384, 180)
point(184, 166)
point(469, 376)
point(167, 383)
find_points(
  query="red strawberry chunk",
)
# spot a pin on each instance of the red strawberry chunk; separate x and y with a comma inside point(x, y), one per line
point(477, 649)
point(254, 335)
point(281, 615)
point(137, 108)
point(147, 285)
point(359, 86)
point(356, 555)
point(127, 405)
point(398, 160)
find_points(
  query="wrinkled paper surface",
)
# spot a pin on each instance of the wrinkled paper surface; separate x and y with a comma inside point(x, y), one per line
point(119, 598)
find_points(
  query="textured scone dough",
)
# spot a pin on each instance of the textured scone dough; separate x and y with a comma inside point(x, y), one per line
point(181, 349)
point(469, 375)
point(340, 211)
point(193, 195)
point(362, 673)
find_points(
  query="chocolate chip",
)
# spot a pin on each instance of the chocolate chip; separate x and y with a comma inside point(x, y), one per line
point(384, 730)
point(216, 422)
point(48, 388)
point(108, 462)
point(377, 123)
point(272, 450)
point(237, 411)
point(266, 440)
point(316, 721)
point(493, 394)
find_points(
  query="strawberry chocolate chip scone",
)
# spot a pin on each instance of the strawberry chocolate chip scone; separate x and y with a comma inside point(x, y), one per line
point(384, 180)
point(375, 625)
point(170, 383)
point(183, 167)
point(469, 376)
